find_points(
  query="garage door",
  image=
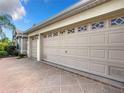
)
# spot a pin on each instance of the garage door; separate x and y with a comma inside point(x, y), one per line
point(34, 47)
point(96, 47)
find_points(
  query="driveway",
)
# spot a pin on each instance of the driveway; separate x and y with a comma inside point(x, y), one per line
point(28, 76)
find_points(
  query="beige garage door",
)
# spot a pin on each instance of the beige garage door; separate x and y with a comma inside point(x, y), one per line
point(97, 48)
point(34, 48)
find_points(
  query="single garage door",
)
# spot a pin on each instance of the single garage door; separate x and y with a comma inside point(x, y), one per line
point(34, 48)
point(96, 47)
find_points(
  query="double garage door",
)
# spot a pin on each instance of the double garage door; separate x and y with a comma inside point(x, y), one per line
point(98, 50)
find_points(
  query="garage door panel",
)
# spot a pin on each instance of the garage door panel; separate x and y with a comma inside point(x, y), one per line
point(82, 41)
point(116, 39)
point(77, 41)
point(78, 52)
point(72, 62)
point(116, 72)
point(97, 68)
point(82, 52)
point(97, 53)
point(34, 48)
point(116, 54)
point(98, 39)
point(81, 65)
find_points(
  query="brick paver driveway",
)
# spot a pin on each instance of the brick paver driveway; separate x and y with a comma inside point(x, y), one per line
point(28, 76)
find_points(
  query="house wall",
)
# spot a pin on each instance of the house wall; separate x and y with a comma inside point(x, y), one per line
point(99, 51)
point(19, 43)
point(22, 44)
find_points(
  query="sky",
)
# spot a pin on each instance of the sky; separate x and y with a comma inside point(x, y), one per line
point(25, 13)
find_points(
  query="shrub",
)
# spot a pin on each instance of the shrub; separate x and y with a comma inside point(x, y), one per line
point(1, 48)
point(21, 55)
point(3, 45)
point(3, 54)
point(5, 48)
point(15, 53)
point(12, 50)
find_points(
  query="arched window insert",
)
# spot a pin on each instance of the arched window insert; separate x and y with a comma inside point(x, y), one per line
point(98, 25)
point(117, 21)
point(82, 28)
point(62, 32)
point(33, 37)
point(50, 34)
point(71, 31)
point(45, 35)
point(55, 33)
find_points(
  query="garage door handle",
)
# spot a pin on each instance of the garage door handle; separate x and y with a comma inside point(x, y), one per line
point(66, 51)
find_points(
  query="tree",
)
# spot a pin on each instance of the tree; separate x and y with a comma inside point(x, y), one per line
point(6, 22)
point(2, 35)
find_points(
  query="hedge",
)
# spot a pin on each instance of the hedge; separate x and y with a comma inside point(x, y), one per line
point(12, 50)
point(3, 54)
point(1, 48)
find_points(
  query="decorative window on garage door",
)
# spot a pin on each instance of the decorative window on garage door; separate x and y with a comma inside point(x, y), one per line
point(117, 21)
point(49, 34)
point(71, 31)
point(62, 32)
point(35, 37)
point(98, 25)
point(82, 28)
point(55, 33)
point(45, 35)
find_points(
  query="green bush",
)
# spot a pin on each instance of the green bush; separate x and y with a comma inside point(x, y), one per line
point(12, 50)
point(1, 47)
point(21, 55)
point(5, 48)
point(3, 54)
point(15, 53)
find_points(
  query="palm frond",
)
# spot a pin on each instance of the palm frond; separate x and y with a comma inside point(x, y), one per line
point(6, 22)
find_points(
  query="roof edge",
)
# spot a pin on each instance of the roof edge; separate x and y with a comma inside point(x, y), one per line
point(74, 9)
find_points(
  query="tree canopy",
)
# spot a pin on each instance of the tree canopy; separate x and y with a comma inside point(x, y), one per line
point(6, 22)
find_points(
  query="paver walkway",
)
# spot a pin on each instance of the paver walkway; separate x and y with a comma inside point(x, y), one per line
point(28, 76)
